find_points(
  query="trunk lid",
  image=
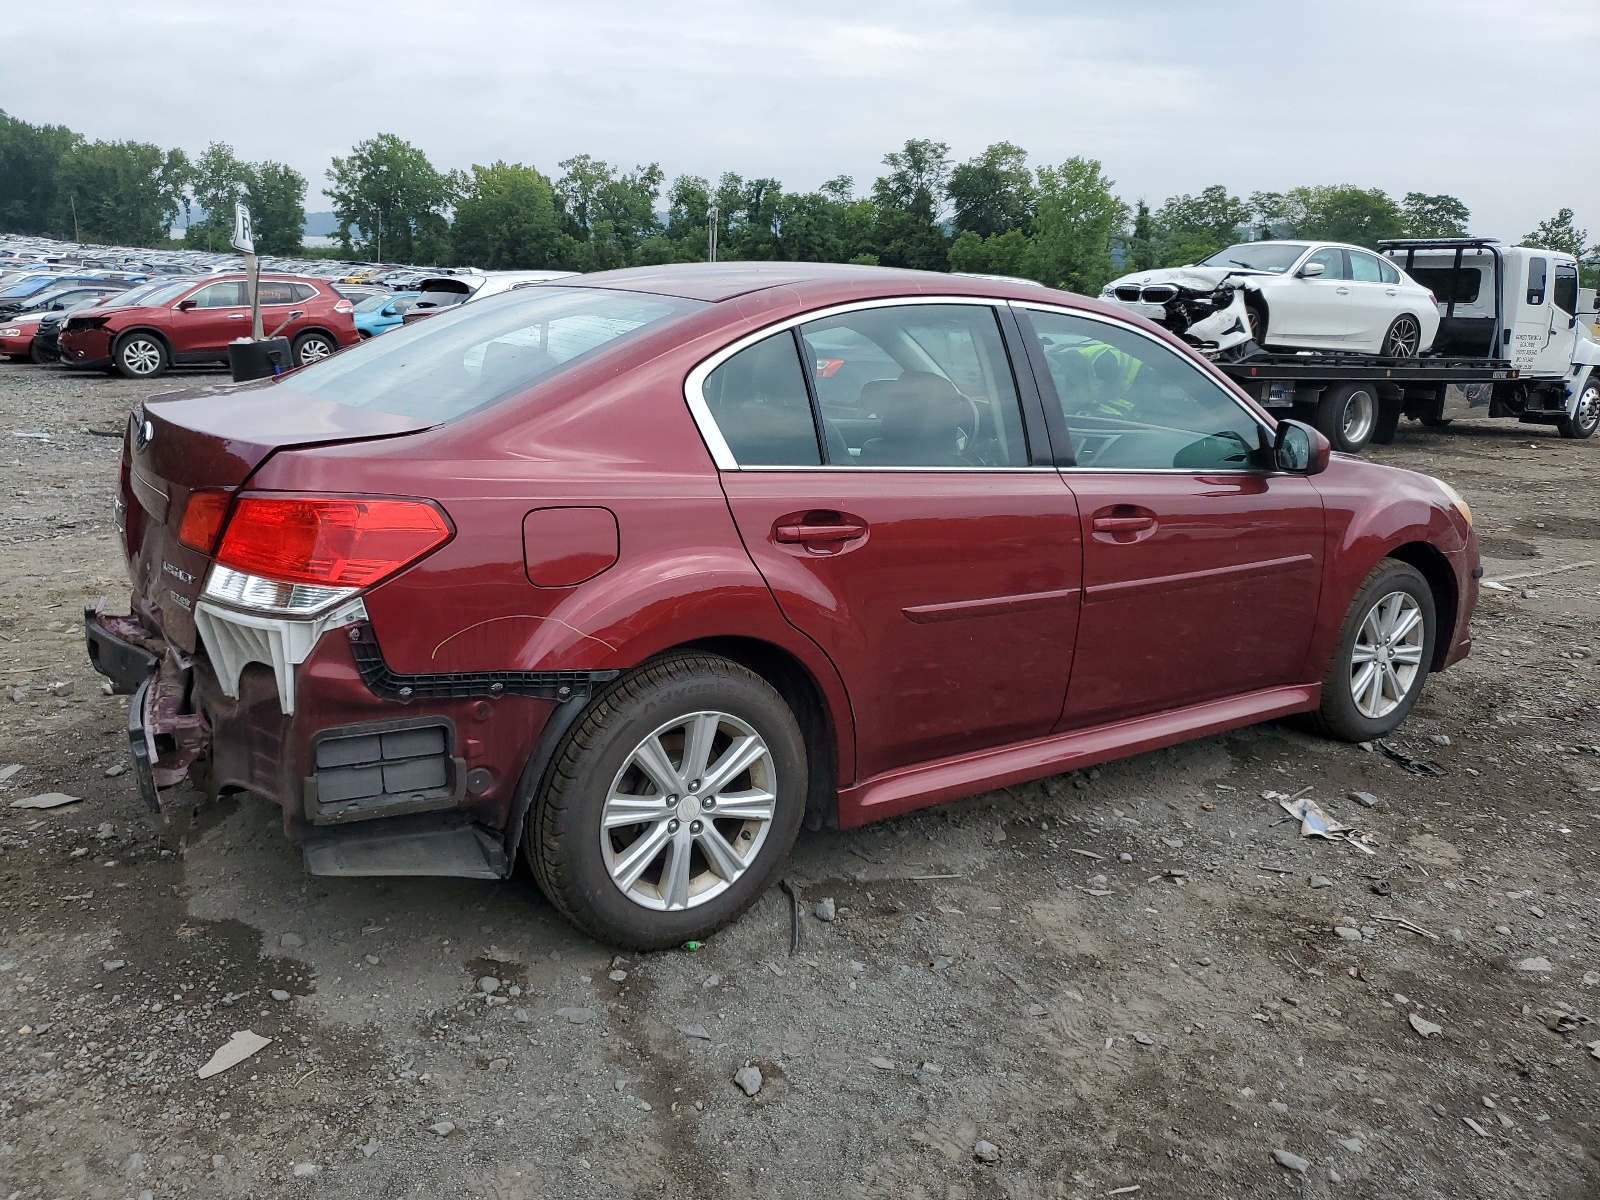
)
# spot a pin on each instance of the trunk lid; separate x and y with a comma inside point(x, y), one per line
point(215, 437)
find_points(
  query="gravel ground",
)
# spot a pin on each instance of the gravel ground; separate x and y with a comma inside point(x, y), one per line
point(1130, 978)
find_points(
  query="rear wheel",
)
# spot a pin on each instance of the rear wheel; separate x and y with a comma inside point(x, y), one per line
point(1383, 655)
point(671, 805)
point(1586, 416)
point(140, 356)
point(1404, 339)
point(312, 347)
point(1347, 416)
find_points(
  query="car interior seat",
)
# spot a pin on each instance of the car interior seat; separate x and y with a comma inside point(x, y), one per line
point(926, 422)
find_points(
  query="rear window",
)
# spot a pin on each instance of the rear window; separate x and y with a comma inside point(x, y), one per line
point(477, 355)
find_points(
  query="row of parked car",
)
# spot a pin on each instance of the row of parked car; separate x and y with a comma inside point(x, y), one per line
point(138, 314)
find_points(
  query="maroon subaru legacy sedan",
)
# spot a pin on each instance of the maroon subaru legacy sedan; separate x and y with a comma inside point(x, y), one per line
point(638, 573)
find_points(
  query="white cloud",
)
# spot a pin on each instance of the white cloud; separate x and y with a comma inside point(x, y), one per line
point(1472, 97)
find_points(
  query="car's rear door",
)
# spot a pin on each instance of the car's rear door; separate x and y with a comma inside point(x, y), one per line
point(1374, 304)
point(913, 539)
point(1201, 568)
point(1311, 311)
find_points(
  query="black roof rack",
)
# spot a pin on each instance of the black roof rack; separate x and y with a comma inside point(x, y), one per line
point(1436, 243)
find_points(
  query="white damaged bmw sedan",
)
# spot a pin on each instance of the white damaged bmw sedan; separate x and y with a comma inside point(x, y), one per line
point(1289, 296)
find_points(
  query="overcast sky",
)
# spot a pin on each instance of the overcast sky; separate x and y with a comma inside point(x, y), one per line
point(1488, 100)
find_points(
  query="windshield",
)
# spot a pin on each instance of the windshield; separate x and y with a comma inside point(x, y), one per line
point(134, 294)
point(26, 286)
point(1276, 257)
point(475, 355)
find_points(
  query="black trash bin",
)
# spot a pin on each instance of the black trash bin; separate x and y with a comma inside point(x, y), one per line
point(257, 360)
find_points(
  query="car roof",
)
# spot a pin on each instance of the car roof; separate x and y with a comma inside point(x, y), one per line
point(724, 281)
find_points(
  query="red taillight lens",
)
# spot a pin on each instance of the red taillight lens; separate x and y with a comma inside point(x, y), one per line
point(202, 519)
point(331, 541)
point(344, 306)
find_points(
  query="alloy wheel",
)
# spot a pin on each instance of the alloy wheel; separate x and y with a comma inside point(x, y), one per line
point(689, 811)
point(314, 349)
point(1405, 338)
point(1387, 656)
point(141, 356)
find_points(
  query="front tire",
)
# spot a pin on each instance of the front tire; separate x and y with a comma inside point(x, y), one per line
point(1258, 324)
point(1404, 339)
point(140, 356)
point(1347, 416)
point(1382, 659)
point(312, 347)
point(1586, 418)
point(671, 804)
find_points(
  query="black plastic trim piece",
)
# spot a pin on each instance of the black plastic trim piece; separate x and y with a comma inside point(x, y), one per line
point(126, 665)
point(139, 747)
point(386, 684)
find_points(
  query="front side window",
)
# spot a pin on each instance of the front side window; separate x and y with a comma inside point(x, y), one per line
point(1131, 403)
point(1566, 289)
point(758, 400)
point(915, 385)
point(1365, 268)
point(476, 355)
point(1331, 259)
point(1536, 274)
point(230, 294)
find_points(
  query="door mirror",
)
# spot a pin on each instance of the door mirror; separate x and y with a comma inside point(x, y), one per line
point(1300, 449)
point(389, 311)
point(1311, 270)
point(185, 305)
point(58, 307)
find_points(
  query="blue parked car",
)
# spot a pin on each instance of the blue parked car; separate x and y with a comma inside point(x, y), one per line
point(381, 313)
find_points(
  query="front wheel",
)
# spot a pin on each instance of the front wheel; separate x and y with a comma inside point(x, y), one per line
point(140, 356)
point(1586, 416)
point(1383, 655)
point(1348, 415)
point(312, 347)
point(1404, 339)
point(671, 804)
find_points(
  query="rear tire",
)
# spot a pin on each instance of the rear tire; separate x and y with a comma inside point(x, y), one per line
point(1404, 339)
point(1390, 628)
point(312, 347)
point(1348, 415)
point(1587, 418)
point(140, 356)
point(614, 878)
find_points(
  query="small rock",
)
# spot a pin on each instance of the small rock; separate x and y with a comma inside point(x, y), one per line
point(1439, 739)
point(883, 1064)
point(488, 985)
point(986, 1152)
point(1535, 964)
point(135, 1167)
point(1536, 911)
point(1172, 843)
point(1438, 1109)
point(369, 1148)
point(748, 1079)
point(1353, 1144)
point(499, 1064)
point(1204, 961)
point(1279, 1107)
point(1424, 1027)
point(617, 976)
point(106, 833)
point(826, 910)
point(520, 1015)
point(940, 962)
point(1292, 1162)
point(578, 1016)
point(1037, 1010)
point(1348, 934)
point(695, 1030)
point(47, 800)
point(305, 1170)
point(444, 1128)
point(1124, 858)
point(113, 964)
point(1503, 930)
point(291, 940)
point(278, 994)
point(711, 981)
point(115, 769)
point(1365, 799)
point(1144, 1039)
point(1321, 881)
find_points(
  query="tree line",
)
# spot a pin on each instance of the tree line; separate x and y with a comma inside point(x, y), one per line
point(1061, 224)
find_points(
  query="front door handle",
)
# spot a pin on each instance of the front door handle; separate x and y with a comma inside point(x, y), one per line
point(237, 316)
point(1342, 291)
point(1122, 523)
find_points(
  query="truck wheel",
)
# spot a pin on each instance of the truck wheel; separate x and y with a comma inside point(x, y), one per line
point(1382, 659)
point(1348, 415)
point(671, 804)
point(1587, 415)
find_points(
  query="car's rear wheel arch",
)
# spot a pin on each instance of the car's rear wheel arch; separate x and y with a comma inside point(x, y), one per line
point(314, 331)
point(1435, 568)
point(789, 677)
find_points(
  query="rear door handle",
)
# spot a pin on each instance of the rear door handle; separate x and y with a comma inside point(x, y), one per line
point(237, 316)
point(843, 531)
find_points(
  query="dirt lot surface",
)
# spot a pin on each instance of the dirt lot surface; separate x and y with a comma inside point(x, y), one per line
point(1130, 979)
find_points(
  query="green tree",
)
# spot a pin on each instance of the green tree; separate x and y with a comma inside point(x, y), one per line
point(1143, 252)
point(1558, 233)
point(1343, 213)
point(1427, 216)
point(389, 201)
point(993, 192)
point(276, 196)
point(30, 164)
point(121, 192)
point(906, 205)
point(506, 218)
point(608, 216)
point(217, 182)
point(999, 254)
point(1077, 216)
point(1189, 228)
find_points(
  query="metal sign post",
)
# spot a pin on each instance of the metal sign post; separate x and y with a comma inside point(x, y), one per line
point(244, 240)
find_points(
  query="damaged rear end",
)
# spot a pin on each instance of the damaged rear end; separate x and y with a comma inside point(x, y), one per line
point(224, 578)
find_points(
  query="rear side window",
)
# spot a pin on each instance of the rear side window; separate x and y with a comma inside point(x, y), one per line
point(1387, 270)
point(1566, 290)
point(1536, 275)
point(477, 355)
point(1131, 403)
point(222, 295)
point(304, 292)
point(275, 292)
point(1365, 268)
point(759, 402)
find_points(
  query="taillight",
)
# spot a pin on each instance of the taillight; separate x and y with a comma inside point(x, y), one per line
point(202, 519)
point(344, 306)
point(338, 542)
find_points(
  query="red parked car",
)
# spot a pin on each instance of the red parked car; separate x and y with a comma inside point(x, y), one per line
point(638, 574)
point(194, 320)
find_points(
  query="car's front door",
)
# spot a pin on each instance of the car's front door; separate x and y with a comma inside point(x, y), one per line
point(912, 539)
point(1311, 311)
point(1201, 567)
point(219, 313)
